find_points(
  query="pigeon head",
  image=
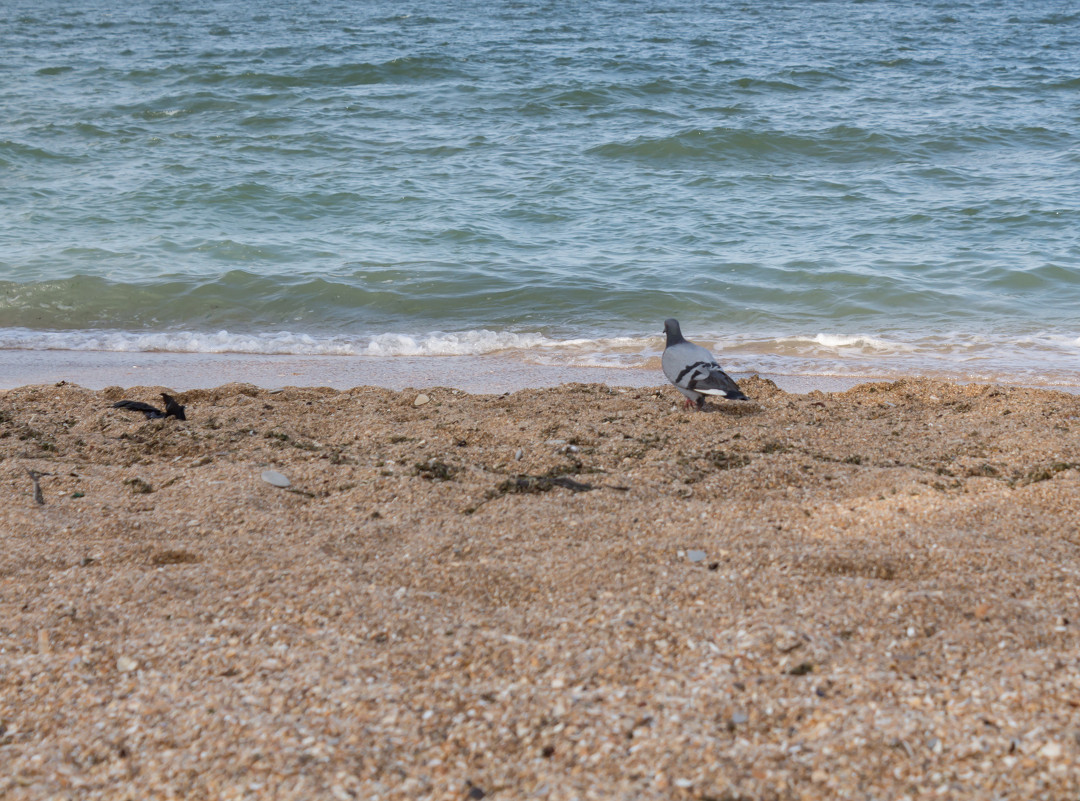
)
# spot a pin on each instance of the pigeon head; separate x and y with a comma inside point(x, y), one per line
point(673, 332)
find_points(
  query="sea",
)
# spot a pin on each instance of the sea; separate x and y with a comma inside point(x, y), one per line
point(820, 188)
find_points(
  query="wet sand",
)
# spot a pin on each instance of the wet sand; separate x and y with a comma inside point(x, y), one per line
point(565, 592)
point(490, 373)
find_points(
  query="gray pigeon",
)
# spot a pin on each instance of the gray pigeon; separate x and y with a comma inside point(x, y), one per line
point(693, 370)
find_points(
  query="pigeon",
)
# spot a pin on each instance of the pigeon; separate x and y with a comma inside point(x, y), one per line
point(172, 408)
point(693, 370)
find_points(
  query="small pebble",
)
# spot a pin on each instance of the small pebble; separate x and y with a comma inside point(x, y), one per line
point(421, 399)
point(126, 664)
point(275, 478)
point(696, 556)
point(1051, 750)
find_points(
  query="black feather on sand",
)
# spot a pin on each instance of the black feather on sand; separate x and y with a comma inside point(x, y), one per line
point(172, 408)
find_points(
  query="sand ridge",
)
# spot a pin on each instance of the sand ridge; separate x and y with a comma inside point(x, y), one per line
point(571, 592)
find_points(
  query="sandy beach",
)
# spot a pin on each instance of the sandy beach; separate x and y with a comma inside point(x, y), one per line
point(580, 591)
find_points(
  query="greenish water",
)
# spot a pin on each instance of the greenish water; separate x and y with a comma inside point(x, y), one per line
point(812, 188)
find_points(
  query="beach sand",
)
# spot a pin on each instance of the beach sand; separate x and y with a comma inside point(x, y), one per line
point(567, 592)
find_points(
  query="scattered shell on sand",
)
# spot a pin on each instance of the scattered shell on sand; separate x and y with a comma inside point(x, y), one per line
point(275, 478)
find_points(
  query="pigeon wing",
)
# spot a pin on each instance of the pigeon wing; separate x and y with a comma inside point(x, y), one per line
point(680, 360)
point(708, 379)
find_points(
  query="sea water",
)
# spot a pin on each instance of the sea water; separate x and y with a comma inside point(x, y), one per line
point(812, 188)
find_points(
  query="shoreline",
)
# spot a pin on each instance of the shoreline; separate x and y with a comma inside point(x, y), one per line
point(476, 374)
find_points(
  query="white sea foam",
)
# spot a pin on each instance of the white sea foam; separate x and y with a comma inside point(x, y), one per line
point(839, 342)
point(464, 343)
point(1040, 357)
point(438, 343)
point(174, 342)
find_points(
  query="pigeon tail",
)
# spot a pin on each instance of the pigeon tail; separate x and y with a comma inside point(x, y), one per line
point(728, 394)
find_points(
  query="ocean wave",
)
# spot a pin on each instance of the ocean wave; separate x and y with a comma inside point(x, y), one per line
point(841, 144)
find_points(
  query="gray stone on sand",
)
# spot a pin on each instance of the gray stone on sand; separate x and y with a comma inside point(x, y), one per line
point(275, 478)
